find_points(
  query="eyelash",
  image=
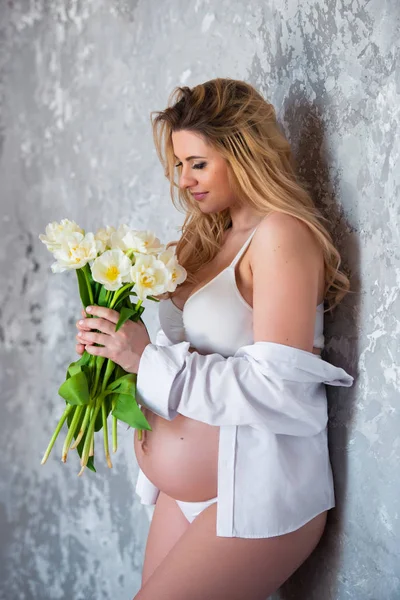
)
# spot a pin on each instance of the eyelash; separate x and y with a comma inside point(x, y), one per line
point(198, 166)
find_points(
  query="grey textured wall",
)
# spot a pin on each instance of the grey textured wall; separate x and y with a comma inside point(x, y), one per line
point(78, 81)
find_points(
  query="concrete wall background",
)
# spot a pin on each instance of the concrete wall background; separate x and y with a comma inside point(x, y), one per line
point(77, 83)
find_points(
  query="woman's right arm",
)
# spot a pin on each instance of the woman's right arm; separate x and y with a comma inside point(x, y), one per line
point(163, 340)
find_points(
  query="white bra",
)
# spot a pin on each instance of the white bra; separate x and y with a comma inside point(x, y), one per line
point(216, 317)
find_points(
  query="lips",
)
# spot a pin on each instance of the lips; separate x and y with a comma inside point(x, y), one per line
point(199, 195)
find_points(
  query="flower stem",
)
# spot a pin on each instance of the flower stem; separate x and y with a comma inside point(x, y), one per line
point(89, 287)
point(88, 447)
point(98, 364)
point(89, 438)
point(109, 369)
point(105, 433)
point(118, 293)
point(56, 432)
point(114, 433)
point(71, 432)
point(91, 451)
point(83, 427)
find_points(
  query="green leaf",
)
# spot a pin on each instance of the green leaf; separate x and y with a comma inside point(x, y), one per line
point(119, 372)
point(90, 464)
point(127, 410)
point(138, 312)
point(99, 419)
point(85, 359)
point(75, 389)
point(121, 300)
point(73, 369)
point(83, 287)
point(102, 299)
point(127, 377)
point(122, 292)
point(89, 371)
point(89, 275)
point(125, 314)
point(124, 385)
point(96, 291)
point(77, 365)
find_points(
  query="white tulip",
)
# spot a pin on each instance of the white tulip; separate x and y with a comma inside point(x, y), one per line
point(56, 232)
point(150, 276)
point(142, 242)
point(112, 269)
point(117, 237)
point(103, 236)
point(177, 273)
point(167, 255)
point(75, 251)
point(146, 242)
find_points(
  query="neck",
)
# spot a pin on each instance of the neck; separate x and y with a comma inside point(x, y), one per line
point(243, 219)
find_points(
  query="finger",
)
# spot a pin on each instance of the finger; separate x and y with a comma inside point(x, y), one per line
point(80, 348)
point(83, 324)
point(98, 324)
point(80, 324)
point(98, 351)
point(93, 338)
point(104, 313)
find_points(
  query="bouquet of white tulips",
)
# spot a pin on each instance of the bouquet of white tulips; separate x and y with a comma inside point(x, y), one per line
point(111, 265)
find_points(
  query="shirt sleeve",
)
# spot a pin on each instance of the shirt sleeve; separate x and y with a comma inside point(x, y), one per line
point(278, 386)
point(162, 339)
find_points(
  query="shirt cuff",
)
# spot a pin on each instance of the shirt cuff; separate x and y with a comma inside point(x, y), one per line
point(158, 367)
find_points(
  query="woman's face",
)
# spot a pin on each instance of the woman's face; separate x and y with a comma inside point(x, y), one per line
point(202, 169)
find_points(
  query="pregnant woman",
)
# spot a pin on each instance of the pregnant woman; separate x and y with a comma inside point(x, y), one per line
point(237, 461)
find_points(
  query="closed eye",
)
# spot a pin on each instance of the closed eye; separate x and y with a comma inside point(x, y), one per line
point(198, 166)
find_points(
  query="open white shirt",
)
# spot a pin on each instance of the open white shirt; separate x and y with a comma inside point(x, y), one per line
point(270, 403)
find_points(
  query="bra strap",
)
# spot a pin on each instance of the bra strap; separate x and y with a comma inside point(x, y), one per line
point(243, 248)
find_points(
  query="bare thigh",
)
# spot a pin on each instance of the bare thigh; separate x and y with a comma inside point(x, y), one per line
point(167, 526)
point(203, 566)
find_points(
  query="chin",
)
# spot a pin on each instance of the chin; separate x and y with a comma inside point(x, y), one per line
point(210, 208)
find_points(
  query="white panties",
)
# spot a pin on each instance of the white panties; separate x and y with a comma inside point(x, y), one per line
point(192, 509)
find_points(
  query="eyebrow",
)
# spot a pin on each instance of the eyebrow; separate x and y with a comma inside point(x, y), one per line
point(189, 157)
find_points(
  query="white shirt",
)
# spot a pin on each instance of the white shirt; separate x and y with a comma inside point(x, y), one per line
point(269, 401)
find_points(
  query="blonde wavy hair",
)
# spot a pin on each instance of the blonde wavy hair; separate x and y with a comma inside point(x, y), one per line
point(233, 118)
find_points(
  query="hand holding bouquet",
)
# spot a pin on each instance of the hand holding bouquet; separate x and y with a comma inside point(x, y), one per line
point(111, 266)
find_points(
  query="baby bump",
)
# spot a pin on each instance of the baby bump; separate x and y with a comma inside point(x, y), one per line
point(180, 457)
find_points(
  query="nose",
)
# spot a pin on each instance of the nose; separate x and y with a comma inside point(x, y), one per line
point(187, 180)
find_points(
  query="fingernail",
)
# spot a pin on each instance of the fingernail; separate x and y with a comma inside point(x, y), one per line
point(81, 322)
point(88, 309)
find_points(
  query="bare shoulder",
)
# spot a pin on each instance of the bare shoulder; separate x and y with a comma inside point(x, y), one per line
point(280, 231)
